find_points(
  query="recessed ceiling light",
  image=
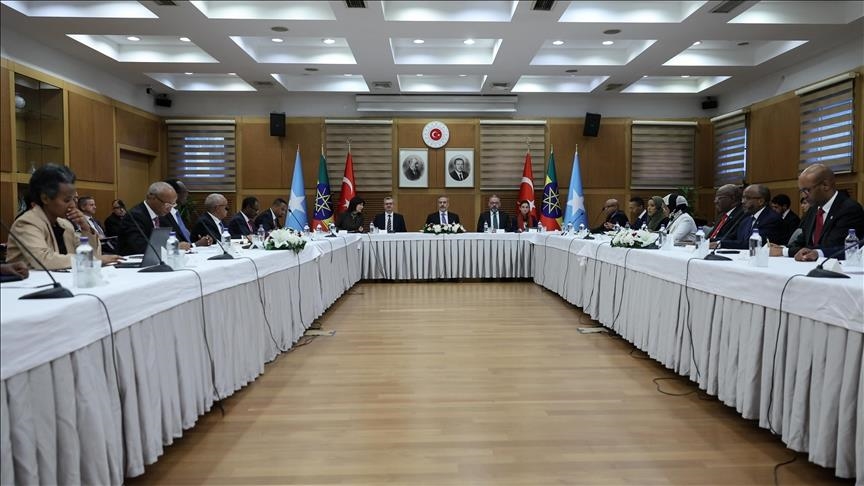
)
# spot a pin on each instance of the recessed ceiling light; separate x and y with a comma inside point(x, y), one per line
point(468, 42)
point(133, 38)
point(463, 75)
point(347, 75)
point(557, 42)
point(644, 75)
point(329, 41)
point(419, 41)
point(185, 39)
point(277, 40)
point(685, 75)
point(612, 31)
point(608, 43)
point(232, 74)
point(188, 74)
point(419, 75)
point(279, 28)
point(745, 43)
point(697, 43)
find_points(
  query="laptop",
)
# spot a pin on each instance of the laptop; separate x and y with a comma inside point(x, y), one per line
point(158, 239)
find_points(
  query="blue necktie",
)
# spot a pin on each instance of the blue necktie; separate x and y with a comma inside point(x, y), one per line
point(183, 230)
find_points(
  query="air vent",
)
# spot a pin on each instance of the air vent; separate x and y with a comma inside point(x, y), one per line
point(263, 84)
point(382, 84)
point(544, 5)
point(500, 85)
point(355, 3)
point(727, 6)
point(614, 86)
point(165, 3)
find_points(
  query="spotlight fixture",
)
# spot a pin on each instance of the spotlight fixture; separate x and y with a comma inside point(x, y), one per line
point(185, 39)
point(685, 75)
point(419, 41)
point(277, 40)
point(133, 38)
point(329, 41)
point(557, 43)
point(419, 75)
point(608, 43)
point(697, 43)
point(232, 74)
point(347, 75)
point(468, 42)
point(463, 75)
point(188, 74)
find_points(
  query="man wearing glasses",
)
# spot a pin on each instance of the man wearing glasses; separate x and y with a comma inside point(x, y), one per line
point(210, 224)
point(830, 217)
point(149, 214)
point(727, 202)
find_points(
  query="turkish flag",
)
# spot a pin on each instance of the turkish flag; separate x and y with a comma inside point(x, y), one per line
point(526, 188)
point(348, 190)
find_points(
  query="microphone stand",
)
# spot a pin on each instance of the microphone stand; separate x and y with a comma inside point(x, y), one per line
point(820, 272)
point(291, 213)
point(162, 266)
point(225, 255)
point(56, 291)
point(713, 256)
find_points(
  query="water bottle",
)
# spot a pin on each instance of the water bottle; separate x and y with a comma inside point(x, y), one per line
point(699, 238)
point(581, 227)
point(644, 227)
point(318, 229)
point(540, 227)
point(83, 264)
point(755, 242)
point(372, 228)
point(616, 228)
point(333, 230)
point(853, 255)
point(226, 238)
point(569, 230)
point(485, 227)
point(262, 234)
point(172, 245)
point(662, 232)
point(305, 229)
point(627, 225)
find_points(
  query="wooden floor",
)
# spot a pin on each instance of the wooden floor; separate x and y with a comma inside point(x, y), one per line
point(471, 384)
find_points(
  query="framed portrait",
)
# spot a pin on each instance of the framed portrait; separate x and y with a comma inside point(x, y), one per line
point(413, 168)
point(458, 168)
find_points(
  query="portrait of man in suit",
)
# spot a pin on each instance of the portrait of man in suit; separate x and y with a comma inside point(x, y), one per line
point(413, 167)
point(458, 169)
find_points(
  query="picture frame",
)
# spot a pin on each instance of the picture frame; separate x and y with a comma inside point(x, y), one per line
point(459, 167)
point(413, 168)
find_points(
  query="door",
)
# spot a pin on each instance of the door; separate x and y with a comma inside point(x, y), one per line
point(133, 177)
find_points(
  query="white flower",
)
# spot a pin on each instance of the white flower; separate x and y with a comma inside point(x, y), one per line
point(436, 228)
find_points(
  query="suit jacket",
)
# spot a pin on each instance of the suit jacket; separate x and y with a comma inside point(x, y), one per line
point(790, 224)
point(730, 227)
point(112, 225)
point(35, 232)
point(205, 226)
point(640, 221)
point(458, 176)
point(171, 221)
point(616, 217)
point(131, 241)
point(770, 227)
point(505, 222)
point(435, 218)
point(266, 219)
point(398, 222)
point(238, 228)
point(845, 214)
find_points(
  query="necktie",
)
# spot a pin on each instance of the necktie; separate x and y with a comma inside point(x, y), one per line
point(97, 228)
point(183, 230)
point(443, 218)
point(820, 222)
point(719, 226)
point(221, 228)
point(249, 224)
point(156, 222)
point(495, 220)
point(389, 223)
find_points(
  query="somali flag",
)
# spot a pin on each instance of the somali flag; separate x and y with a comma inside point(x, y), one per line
point(575, 212)
point(296, 217)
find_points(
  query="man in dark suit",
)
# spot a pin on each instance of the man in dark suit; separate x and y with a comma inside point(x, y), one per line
point(270, 219)
point(389, 220)
point(87, 206)
point(727, 202)
point(242, 224)
point(210, 224)
point(759, 216)
point(443, 216)
point(781, 205)
point(181, 231)
point(613, 215)
point(494, 217)
point(637, 212)
point(459, 172)
point(830, 217)
point(112, 222)
point(149, 214)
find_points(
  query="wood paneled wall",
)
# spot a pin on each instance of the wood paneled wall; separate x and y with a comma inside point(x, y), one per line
point(774, 140)
point(7, 120)
point(137, 130)
point(91, 139)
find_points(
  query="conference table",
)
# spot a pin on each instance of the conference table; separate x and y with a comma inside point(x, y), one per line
point(85, 399)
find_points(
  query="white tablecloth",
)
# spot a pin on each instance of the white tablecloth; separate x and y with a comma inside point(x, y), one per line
point(721, 329)
point(60, 404)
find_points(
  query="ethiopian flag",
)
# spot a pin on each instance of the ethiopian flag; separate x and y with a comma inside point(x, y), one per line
point(323, 214)
point(550, 210)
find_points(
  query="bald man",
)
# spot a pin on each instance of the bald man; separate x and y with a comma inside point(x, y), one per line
point(830, 217)
point(612, 215)
point(149, 214)
point(211, 223)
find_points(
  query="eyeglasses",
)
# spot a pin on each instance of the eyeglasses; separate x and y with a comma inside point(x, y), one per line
point(166, 203)
point(808, 190)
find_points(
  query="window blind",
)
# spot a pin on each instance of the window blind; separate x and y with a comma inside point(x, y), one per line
point(371, 152)
point(827, 125)
point(502, 154)
point(662, 155)
point(730, 150)
point(202, 154)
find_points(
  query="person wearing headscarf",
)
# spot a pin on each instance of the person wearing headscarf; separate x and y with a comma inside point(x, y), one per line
point(656, 217)
point(681, 224)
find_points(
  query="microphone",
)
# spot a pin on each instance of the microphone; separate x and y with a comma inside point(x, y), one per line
point(820, 272)
point(218, 240)
point(56, 291)
point(713, 256)
point(162, 266)
point(291, 213)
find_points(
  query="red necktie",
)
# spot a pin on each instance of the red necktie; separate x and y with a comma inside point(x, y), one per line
point(719, 225)
point(249, 224)
point(820, 222)
point(156, 222)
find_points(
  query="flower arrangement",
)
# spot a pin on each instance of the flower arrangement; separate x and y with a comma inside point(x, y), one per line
point(442, 229)
point(630, 238)
point(283, 239)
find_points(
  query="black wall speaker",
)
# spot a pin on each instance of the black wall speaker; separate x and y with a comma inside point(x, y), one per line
point(709, 104)
point(277, 124)
point(592, 125)
point(162, 100)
